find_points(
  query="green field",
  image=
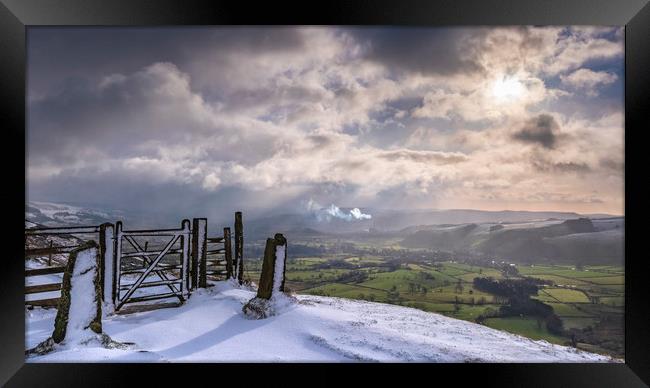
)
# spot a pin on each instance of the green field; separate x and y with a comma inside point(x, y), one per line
point(527, 327)
point(562, 295)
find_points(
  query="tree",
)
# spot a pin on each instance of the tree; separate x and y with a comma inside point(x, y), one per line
point(424, 291)
point(554, 324)
point(411, 288)
point(574, 342)
point(459, 287)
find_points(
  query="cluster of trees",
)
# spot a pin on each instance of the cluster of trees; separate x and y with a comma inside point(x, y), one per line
point(507, 287)
point(417, 288)
point(335, 264)
point(394, 296)
point(517, 292)
point(353, 277)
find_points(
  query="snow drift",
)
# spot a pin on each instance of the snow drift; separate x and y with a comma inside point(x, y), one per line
point(211, 327)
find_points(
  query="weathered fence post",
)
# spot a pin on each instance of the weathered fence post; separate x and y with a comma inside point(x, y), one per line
point(271, 279)
point(106, 245)
point(272, 276)
point(239, 248)
point(49, 258)
point(227, 252)
point(185, 253)
point(117, 261)
point(199, 256)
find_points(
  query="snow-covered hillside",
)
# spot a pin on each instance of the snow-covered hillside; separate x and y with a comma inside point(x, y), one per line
point(57, 214)
point(211, 327)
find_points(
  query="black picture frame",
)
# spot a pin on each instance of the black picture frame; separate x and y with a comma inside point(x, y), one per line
point(17, 15)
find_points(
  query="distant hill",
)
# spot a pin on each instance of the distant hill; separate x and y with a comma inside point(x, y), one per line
point(394, 220)
point(58, 214)
point(64, 214)
point(514, 235)
point(579, 240)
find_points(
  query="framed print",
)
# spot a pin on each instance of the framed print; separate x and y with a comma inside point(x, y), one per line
point(424, 186)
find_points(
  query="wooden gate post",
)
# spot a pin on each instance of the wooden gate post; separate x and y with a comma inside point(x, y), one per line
point(227, 252)
point(185, 253)
point(106, 260)
point(117, 261)
point(272, 276)
point(239, 248)
point(199, 248)
point(271, 279)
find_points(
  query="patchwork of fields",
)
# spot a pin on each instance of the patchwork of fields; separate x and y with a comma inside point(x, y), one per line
point(589, 300)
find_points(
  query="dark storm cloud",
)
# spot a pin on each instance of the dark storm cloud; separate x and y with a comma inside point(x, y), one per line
point(135, 192)
point(113, 118)
point(541, 130)
point(56, 53)
point(441, 51)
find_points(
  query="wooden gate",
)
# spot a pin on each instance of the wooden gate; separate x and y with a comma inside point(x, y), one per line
point(137, 265)
point(167, 266)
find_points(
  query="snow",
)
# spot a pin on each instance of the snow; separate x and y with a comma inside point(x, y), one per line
point(211, 327)
point(82, 297)
point(58, 210)
point(279, 268)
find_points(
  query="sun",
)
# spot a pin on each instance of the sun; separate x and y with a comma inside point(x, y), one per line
point(507, 88)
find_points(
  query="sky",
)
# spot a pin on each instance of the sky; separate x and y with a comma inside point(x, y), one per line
point(264, 119)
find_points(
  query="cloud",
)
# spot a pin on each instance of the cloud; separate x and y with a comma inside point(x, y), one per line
point(546, 166)
point(588, 80)
point(364, 116)
point(540, 130)
point(434, 157)
point(334, 212)
point(444, 51)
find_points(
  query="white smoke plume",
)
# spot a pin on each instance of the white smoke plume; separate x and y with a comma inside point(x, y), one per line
point(333, 211)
